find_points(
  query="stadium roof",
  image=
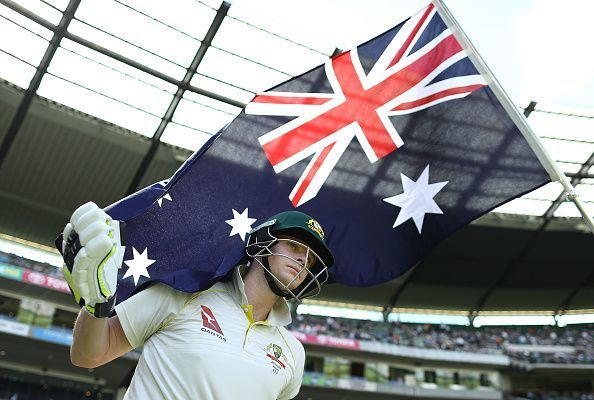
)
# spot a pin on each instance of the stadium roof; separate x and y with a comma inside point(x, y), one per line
point(96, 102)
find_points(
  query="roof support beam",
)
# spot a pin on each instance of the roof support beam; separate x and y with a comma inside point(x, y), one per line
point(109, 53)
point(481, 301)
point(394, 299)
point(547, 218)
point(576, 178)
point(181, 89)
point(396, 296)
point(567, 300)
point(579, 175)
point(23, 108)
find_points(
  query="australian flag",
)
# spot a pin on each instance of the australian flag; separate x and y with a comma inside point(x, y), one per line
point(391, 146)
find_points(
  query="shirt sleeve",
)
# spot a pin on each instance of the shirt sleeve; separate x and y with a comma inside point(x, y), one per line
point(292, 388)
point(144, 313)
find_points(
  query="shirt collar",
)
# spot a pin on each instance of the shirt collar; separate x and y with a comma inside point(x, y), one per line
point(278, 316)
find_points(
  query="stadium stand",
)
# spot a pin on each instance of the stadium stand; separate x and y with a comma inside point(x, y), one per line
point(369, 359)
point(541, 344)
point(15, 386)
point(16, 261)
point(553, 396)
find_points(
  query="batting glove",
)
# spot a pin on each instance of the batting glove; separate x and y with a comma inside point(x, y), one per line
point(93, 252)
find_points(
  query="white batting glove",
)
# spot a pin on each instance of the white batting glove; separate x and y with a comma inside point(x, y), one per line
point(93, 252)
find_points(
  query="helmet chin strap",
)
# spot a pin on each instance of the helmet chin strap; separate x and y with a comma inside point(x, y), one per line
point(270, 280)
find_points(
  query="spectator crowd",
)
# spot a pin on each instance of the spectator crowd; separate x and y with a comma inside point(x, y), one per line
point(430, 336)
point(14, 260)
point(467, 339)
point(553, 396)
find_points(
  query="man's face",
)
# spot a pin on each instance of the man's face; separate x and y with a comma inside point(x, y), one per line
point(293, 261)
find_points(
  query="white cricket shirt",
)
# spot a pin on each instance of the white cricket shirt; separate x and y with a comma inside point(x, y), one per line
point(206, 345)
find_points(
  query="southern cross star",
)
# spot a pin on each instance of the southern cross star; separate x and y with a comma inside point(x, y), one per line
point(166, 197)
point(137, 267)
point(240, 223)
point(416, 200)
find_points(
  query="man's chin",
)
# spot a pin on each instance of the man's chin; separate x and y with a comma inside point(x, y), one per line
point(290, 284)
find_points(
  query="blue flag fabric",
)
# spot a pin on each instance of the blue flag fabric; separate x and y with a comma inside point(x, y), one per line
point(392, 147)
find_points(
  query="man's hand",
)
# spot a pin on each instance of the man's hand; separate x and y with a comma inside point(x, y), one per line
point(93, 252)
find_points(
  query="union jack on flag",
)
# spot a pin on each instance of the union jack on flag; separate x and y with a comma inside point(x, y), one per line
point(401, 81)
point(325, 143)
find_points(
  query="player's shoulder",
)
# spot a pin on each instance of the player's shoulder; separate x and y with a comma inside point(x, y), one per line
point(160, 292)
point(162, 289)
point(292, 341)
point(220, 291)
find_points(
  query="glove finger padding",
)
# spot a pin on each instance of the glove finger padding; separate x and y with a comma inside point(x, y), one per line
point(81, 211)
point(98, 247)
point(93, 253)
point(93, 231)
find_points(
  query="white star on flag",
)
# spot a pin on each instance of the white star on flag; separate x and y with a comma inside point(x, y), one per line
point(137, 267)
point(240, 223)
point(166, 197)
point(416, 199)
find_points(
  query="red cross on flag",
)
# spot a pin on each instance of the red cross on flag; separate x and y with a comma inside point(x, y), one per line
point(401, 82)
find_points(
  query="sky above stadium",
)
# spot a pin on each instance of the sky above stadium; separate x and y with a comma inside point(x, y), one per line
point(536, 48)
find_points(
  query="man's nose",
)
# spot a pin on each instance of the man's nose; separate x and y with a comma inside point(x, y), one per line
point(299, 255)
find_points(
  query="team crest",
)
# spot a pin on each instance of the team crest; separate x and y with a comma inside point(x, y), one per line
point(278, 360)
point(278, 351)
point(316, 227)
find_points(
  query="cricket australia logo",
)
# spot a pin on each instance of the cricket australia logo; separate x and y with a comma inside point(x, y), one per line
point(210, 324)
point(278, 360)
point(316, 227)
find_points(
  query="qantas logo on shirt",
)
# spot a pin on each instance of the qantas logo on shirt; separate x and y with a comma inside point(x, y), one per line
point(210, 324)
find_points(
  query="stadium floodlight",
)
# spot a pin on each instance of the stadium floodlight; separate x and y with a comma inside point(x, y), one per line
point(39, 253)
point(422, 318)
point(339, 312)
point(568, 319)
point(501, 320)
